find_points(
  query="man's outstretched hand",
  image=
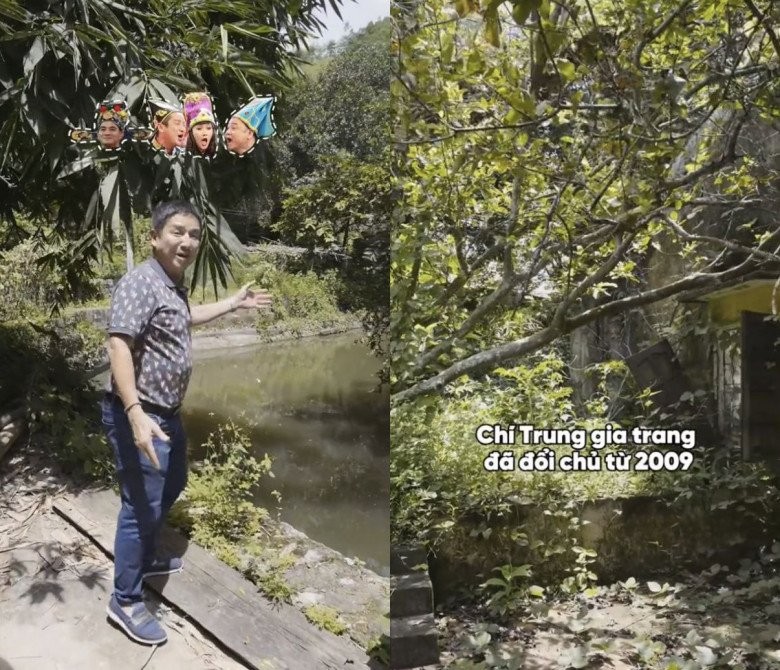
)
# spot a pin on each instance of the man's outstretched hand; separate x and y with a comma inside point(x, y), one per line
point(246, 298)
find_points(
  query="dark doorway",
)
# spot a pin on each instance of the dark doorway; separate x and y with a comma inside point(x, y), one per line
point(760, 377)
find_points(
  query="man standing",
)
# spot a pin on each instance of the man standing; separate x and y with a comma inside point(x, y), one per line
point(170, 128)
point(254, 120)
point(149, 350)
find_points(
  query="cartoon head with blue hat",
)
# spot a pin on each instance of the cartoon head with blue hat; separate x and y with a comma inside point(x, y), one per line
point(250, 123)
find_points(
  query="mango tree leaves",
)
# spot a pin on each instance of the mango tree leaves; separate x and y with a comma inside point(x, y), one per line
point(58, 60)
point(544, 162)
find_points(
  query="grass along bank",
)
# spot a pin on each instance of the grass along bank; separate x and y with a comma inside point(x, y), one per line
point(216, 512)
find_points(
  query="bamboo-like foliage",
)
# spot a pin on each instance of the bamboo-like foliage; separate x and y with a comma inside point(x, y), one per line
point(60, 59)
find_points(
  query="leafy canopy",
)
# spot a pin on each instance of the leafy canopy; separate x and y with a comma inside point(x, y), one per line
point(550, 149)
point(59, 59)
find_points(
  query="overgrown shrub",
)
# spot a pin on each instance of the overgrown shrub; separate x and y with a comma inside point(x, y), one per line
point(441, 494)
point(217, 508)
point(43, 365)
point(69, 425)
point(301, 296)
point(298, 299)
point(39, 352)
point(25, 287)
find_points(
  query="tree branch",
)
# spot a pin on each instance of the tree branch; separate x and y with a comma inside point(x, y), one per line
point(729, 155)
point(496, 355)
point(658, 32)
point(764, 20)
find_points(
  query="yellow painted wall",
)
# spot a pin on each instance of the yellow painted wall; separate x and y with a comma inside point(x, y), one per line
point(725, 309)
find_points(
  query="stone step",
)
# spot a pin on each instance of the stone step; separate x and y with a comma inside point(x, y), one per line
point(403, 560)
point(410, 595)
point(413, 641)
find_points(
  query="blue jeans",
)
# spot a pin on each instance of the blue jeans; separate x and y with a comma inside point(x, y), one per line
point(147, 493)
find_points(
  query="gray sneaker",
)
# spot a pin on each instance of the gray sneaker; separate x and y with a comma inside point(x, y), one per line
point(164, 566)
point(140, 625)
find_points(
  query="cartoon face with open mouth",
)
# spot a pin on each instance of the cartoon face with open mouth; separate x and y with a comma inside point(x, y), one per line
point(171, 132)
point(201, 124)
point(203, 136)
point(250, 123)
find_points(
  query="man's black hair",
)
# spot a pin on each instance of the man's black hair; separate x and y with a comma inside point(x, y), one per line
point(165, 210)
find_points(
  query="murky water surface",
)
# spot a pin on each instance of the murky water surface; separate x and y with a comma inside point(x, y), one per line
point(312, 405)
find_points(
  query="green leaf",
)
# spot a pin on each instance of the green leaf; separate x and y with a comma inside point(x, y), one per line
point(495, 581)
point(493, 29)
point(630, 583)
point(522, 10)
point(12, 10)
point(566, 68)
point(447, 47)
point(34, 55)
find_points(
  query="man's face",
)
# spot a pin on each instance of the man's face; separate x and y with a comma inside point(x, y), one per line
point(109, 135)
point(172, 132)
point(201, 135)
point(239, 138)
point(176, 245)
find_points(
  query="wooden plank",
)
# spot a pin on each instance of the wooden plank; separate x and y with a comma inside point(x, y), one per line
point(264, 635)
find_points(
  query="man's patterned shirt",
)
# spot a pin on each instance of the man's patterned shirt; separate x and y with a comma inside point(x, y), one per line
point(147, 305)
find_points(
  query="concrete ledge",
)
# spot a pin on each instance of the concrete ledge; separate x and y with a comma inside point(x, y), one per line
point(223, 603)
point(413, 641)
point(411, 595)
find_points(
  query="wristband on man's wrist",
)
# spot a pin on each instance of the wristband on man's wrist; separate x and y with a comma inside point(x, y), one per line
point(131, 405)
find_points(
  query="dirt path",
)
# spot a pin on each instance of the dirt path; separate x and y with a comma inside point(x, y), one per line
point(720, 618)
point(55, 584)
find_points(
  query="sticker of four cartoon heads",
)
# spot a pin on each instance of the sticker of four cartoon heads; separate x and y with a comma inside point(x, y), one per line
point(187, 127)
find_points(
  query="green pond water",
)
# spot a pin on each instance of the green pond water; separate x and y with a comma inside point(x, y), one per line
point(313, 406)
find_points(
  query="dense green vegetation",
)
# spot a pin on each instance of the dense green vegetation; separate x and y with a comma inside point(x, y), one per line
point(61, 59)
point(569, 168)
point(336, 159)
point(546, 169)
